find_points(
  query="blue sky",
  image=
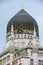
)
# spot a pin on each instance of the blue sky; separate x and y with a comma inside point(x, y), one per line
point(8, 8)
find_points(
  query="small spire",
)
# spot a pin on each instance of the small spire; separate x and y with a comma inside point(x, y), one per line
point(34, 30)
point(12, 29)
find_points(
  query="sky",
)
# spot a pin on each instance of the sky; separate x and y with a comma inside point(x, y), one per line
point(8, 8)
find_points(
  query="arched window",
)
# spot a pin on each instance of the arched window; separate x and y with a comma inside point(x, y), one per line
point(42, 62)
point(20, 64)
point(31, 62)
point(39, 62)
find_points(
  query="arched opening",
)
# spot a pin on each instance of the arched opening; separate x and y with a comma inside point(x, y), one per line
point(42, 62)
point(39, 62)
point(31, 62)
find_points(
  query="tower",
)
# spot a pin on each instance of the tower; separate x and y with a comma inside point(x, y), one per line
point(22, 41)
point(21, 29)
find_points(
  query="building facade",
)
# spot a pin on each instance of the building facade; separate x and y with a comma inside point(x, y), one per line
point(22, 41)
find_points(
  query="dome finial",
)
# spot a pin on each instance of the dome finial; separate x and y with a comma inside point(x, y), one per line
point(22, 5)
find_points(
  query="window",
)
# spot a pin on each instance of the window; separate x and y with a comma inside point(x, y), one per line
point(31, 53)
point(15, 36)
point(31, 43)
point(8, 58)
point(4, 60)
point(39, 62)
point(24, 36)
point(40, 54)
point(18, 36)
point(0, 62)
point(20, 64)
point(28, 36)
point(15, 63)
point(42, 62)
point(8, 64)
point(31, 62)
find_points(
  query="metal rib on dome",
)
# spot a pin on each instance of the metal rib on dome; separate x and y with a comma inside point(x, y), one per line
point(23, 18)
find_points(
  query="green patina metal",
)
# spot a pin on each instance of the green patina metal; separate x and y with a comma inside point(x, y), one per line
point(23, 52)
